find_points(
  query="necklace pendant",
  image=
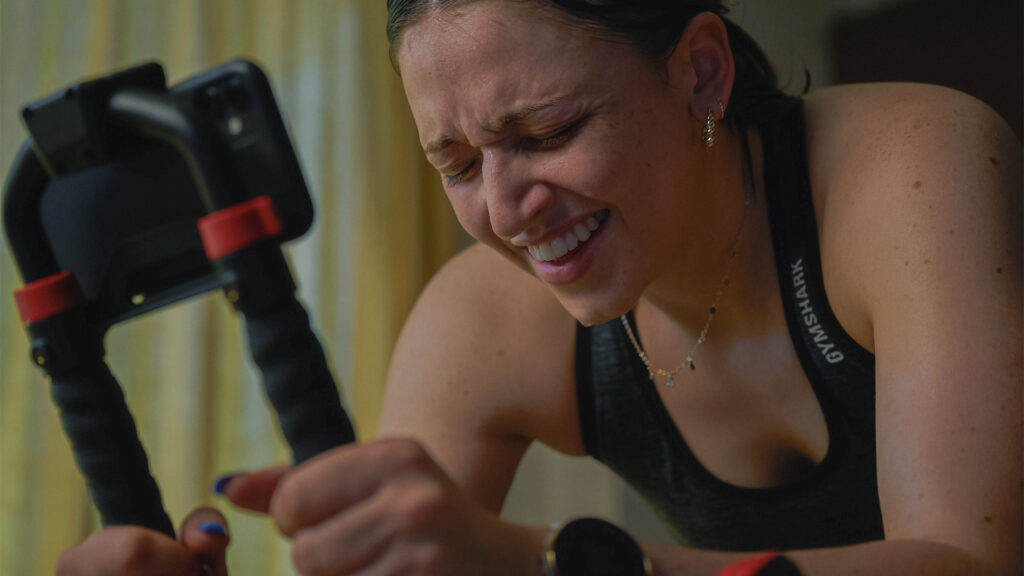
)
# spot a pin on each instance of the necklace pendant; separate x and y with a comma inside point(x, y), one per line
point(671, 383)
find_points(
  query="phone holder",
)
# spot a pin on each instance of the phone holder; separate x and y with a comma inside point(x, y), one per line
point(129, 196)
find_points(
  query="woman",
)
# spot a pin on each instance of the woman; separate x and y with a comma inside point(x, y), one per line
point(751, 306)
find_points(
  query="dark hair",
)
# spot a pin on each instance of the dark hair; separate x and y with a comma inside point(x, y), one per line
point(654, 27)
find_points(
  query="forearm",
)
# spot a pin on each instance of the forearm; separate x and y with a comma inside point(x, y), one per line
point(910, 557)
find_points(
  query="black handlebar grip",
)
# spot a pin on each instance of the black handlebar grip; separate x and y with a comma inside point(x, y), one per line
point(297, 380)
point(107, 448)
point(296, 376)
point(98, 423)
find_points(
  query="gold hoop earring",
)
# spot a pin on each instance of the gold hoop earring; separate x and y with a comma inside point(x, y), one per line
point(708, 136)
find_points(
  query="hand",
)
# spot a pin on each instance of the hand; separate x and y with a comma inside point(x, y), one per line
point(384, 508)
point(131, 550)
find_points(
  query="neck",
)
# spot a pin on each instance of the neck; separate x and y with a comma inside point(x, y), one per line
point(727, 218)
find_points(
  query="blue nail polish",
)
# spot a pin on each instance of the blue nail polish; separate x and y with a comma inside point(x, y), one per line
point(218, 486)
point(212, 528)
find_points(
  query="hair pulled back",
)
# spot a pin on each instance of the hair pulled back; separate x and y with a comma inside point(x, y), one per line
point(654, 27)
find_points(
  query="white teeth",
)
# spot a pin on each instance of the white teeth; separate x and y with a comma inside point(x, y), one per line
point(558, 248)
point(571, 241)
point(544, 252)
point(568, 242)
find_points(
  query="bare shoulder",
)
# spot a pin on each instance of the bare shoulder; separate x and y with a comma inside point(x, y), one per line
point(875, 134)
point(484, 364)
point(918, 190)
point(899, 166)
point(876, 109)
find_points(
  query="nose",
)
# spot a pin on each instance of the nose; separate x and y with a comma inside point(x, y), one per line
point(516, 197)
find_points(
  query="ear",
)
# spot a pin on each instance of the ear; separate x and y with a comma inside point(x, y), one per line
point(702, 63)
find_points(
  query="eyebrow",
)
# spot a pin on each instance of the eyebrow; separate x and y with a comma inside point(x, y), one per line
point(503, 123)
point(438, 145)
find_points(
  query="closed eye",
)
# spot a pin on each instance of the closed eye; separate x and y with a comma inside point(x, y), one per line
point(550, 142)
point(453, 179)
point(555, 140)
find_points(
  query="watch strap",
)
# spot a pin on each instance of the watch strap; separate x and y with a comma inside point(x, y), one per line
point(592, 547)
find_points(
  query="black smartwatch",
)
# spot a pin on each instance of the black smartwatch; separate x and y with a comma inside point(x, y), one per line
point(592, 547)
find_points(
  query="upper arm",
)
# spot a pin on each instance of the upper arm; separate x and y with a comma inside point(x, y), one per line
point(927, 229)
point(478, 371)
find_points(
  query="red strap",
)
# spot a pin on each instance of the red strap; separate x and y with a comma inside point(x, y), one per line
point(750, 566)
point(229, 230)
point(44, 298)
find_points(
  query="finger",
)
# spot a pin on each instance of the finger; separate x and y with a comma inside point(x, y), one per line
point(127, 550)
point(338, 478)
point(253, 490)
point(344, 543)
point(204, 532)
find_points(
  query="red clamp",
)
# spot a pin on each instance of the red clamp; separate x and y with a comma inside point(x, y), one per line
point(749, 567)
point(43, 298)
point(229, 230)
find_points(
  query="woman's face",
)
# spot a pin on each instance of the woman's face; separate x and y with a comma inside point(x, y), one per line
point(568, 154)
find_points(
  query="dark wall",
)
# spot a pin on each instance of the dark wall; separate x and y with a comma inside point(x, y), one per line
point(975, 47)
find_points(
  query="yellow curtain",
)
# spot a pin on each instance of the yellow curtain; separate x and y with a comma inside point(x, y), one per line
point(382, 228)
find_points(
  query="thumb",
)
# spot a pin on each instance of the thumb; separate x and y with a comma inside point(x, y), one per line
point(252, 490)
point(204, 532)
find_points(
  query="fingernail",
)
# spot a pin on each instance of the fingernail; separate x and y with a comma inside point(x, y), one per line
point(212, 528)
point(218, 486)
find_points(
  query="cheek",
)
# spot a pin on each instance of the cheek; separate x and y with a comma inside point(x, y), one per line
point(471, 212)
point(624, 161)
point(599, 168)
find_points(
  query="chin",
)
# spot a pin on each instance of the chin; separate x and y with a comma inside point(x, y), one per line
point(591, 309)
point(590, 304)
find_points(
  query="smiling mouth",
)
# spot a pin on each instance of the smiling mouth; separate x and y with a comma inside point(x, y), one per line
point(569, 241)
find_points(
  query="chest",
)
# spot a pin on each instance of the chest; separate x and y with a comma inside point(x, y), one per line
point(705, 450)
point(745, 406)
point(749, 421)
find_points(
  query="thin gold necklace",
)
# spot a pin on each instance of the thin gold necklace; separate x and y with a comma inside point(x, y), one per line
point(670, 375)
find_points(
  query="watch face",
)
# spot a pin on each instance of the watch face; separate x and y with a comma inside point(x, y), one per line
point(592, 547)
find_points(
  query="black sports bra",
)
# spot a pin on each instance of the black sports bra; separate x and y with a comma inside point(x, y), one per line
point(625, 425)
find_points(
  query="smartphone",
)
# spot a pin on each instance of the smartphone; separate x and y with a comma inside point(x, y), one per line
point(119, 207)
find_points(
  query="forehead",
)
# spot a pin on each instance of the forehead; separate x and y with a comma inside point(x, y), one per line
point(466, 65)
point(449, 26)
